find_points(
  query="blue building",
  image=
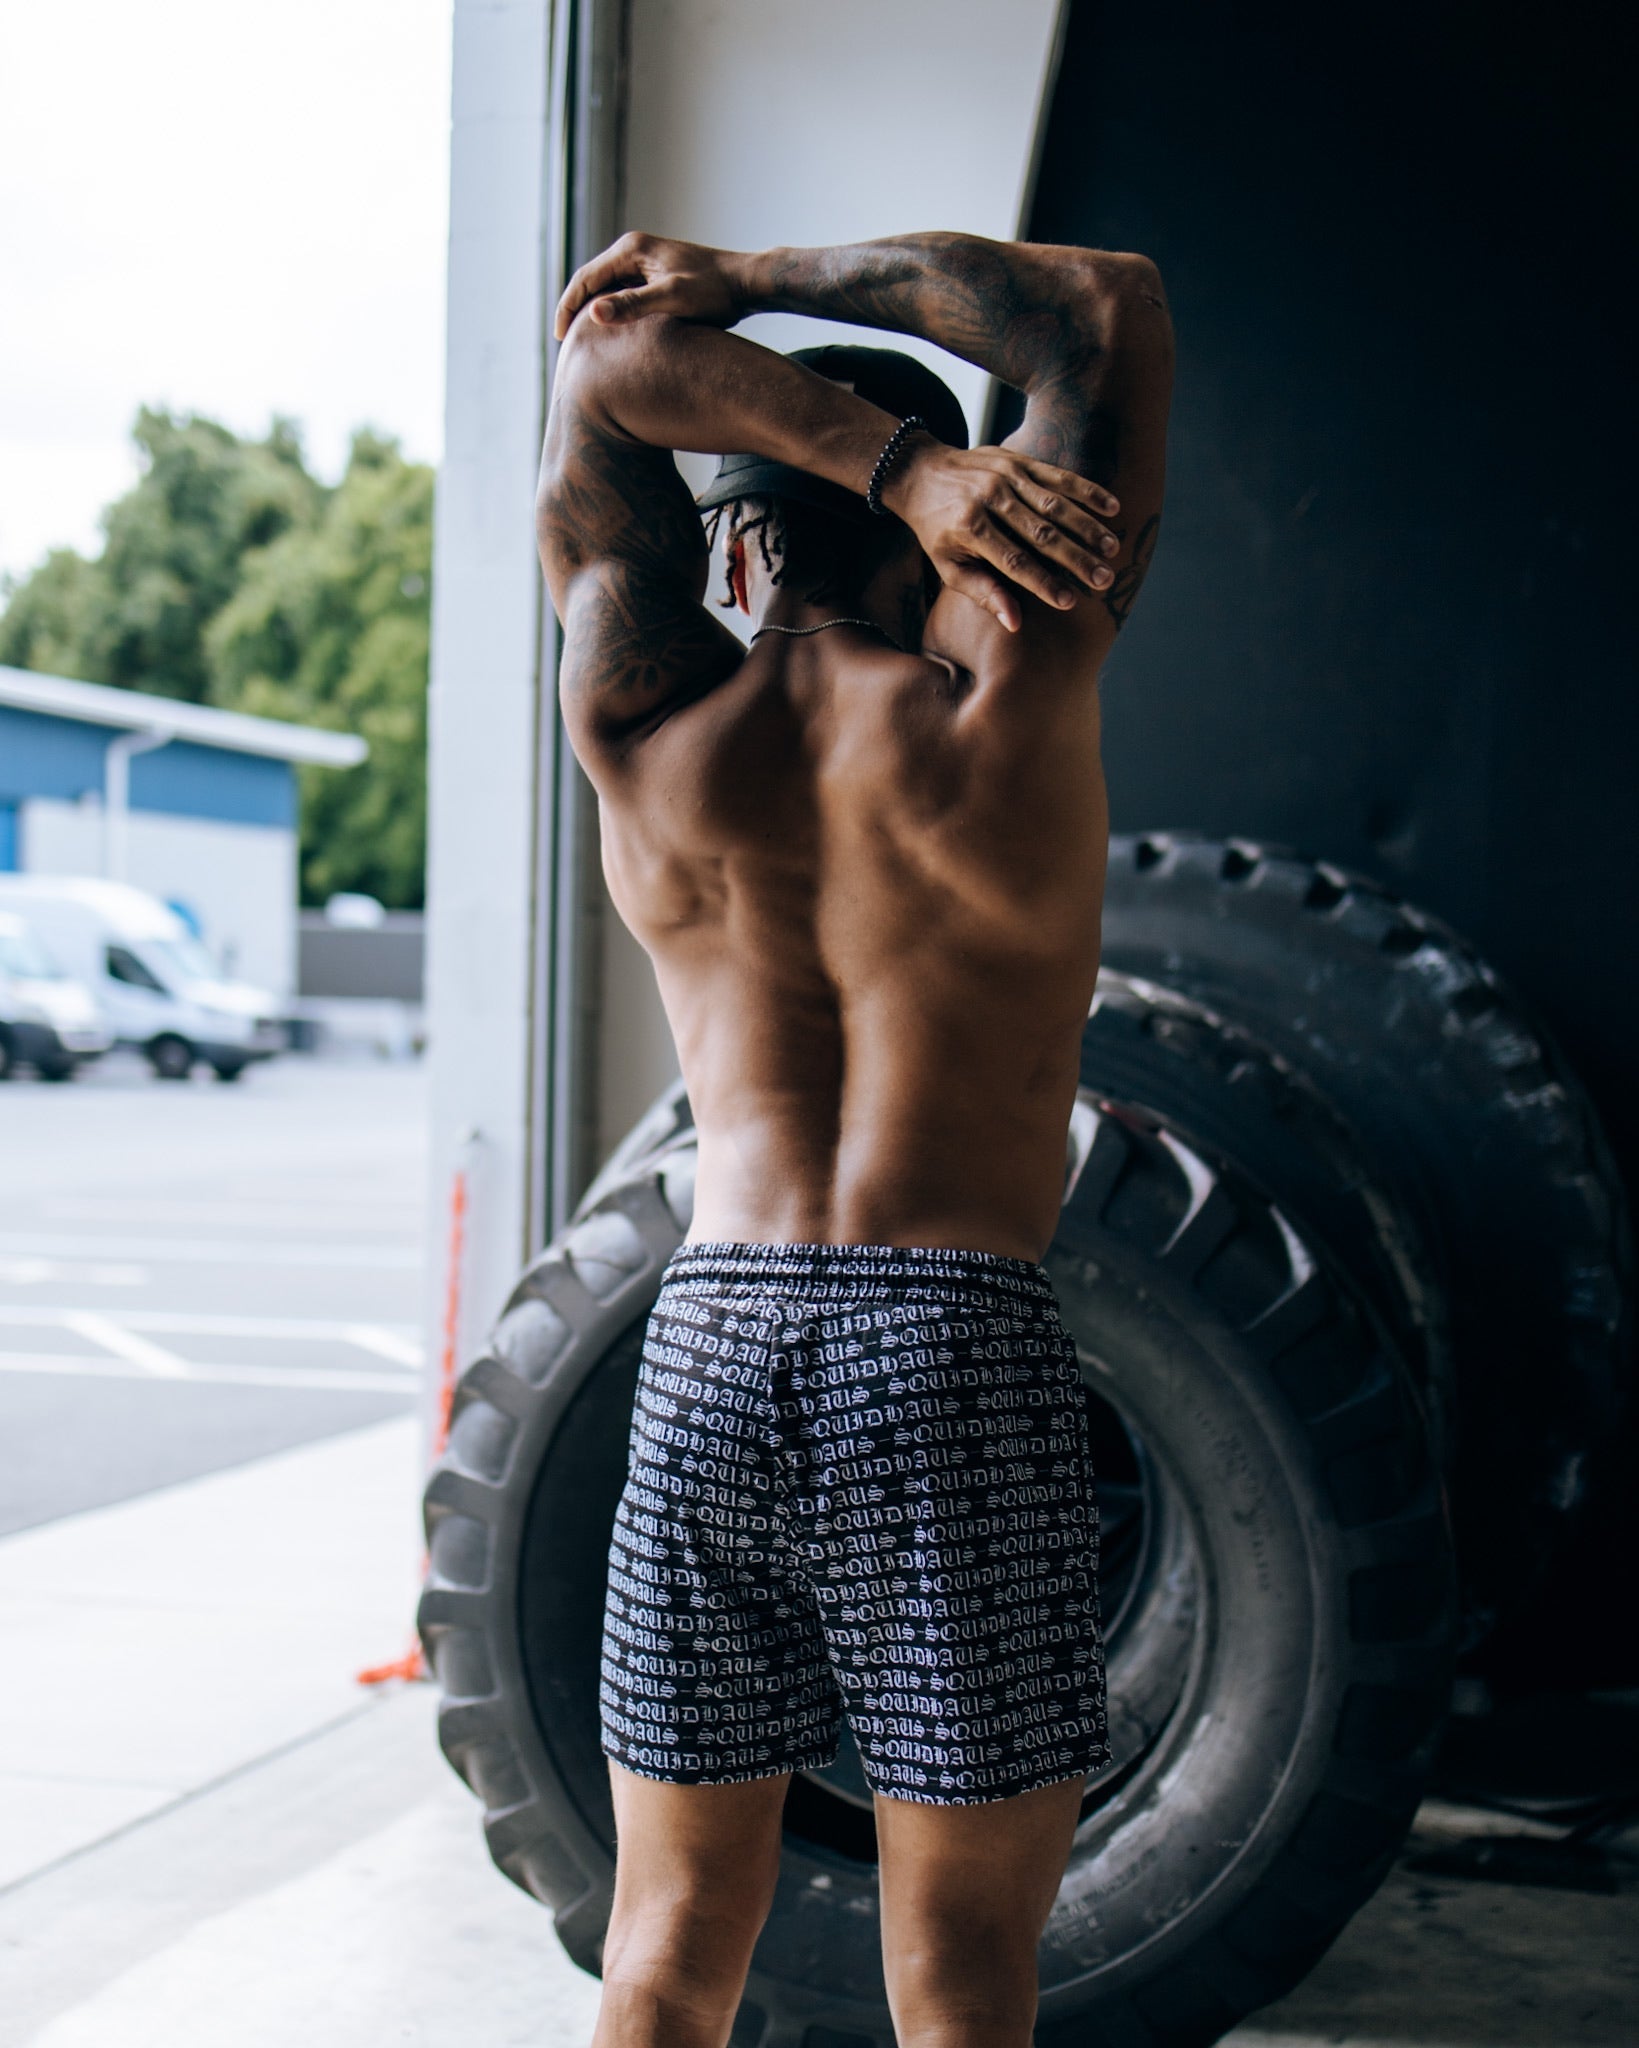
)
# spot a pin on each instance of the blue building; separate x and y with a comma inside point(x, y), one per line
point(198, 806)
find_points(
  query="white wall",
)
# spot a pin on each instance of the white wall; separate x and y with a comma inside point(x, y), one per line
point(752, 124)
point(239, 880)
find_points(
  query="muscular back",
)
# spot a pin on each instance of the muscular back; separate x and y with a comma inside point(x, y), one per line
point(872, 903)
point(869, 881)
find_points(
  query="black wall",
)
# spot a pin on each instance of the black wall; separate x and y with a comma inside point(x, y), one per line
point(1391, 621)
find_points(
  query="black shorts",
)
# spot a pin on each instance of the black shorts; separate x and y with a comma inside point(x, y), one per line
point(859, 1483)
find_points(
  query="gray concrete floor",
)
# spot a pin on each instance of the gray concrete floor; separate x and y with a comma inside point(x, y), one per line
point(339, 1894)
point(1443, 1963)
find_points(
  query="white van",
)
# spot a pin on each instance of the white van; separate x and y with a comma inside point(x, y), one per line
point(159, 988)
point(47, 1021)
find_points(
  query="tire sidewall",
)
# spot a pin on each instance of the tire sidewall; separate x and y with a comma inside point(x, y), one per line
point(1273, 1653)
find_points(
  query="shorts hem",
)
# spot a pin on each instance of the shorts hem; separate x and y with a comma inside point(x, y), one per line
point(708, 1777)
point(1031, 1781)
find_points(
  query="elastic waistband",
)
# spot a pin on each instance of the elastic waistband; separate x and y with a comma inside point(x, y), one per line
point(851, 1269)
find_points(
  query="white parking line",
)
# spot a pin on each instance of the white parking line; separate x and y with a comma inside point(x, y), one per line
point(212, 1251)
point(396, 1341)
point(41, 1272)
point(384, 1343)
point(230, 1213)
point(121, 1333)
point(345, 1380)
point(126, 1344)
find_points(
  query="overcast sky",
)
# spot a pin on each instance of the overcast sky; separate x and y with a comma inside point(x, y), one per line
point(222, 208)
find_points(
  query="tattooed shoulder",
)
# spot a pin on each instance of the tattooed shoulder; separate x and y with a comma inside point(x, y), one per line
point(623, 548)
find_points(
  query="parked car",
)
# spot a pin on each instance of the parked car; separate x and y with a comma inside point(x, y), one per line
point(47, 1021)
point(160, 989)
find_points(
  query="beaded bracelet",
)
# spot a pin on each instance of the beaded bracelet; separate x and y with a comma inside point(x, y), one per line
point(886, 460)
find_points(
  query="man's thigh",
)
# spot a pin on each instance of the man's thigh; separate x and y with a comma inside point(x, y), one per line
point(975, 1878)
point(697, 1849)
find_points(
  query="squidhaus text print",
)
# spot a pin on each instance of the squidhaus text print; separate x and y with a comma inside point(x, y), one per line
point(859, 1482)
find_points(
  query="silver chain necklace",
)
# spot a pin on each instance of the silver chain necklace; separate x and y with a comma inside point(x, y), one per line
point(801, 632)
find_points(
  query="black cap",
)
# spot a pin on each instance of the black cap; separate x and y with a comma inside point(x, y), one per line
point(888, 378)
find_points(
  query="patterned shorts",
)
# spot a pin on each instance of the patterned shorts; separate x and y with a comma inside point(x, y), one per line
point(859, 1482)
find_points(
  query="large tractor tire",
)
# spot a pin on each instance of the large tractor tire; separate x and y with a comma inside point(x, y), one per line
point(1468, 1123)
point(1278, 1594)
point(1232, 1098)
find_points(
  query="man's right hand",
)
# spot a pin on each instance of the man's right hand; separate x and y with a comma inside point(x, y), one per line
point(977, 511)
point(641, 275)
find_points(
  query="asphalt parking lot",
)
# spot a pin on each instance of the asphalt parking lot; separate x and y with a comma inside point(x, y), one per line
point(195, 1275)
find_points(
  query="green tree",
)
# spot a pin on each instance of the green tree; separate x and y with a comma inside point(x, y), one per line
point(52, 616)
point(174, 551)
point(329, 626)
point(231, 576)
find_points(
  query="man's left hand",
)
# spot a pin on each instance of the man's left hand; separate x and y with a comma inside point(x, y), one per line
point(641, 275)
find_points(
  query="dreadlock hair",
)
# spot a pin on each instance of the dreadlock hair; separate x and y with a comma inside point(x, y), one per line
point(826, 557)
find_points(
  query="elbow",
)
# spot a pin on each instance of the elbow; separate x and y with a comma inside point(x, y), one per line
point(1125, 301)
point(1137, 276)
point(1141, 293)
point(1114, 273)
point(592, 369)
point(608, 375)
point(599, 358)
point(1122, 281)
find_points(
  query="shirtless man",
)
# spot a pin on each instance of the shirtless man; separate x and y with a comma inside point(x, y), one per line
point(866, 857)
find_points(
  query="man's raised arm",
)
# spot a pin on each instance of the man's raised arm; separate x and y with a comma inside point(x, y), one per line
point(1084, 334)
point(621, 542)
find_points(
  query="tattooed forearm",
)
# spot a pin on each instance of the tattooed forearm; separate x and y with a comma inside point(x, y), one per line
point(1025, 313)
point(1084, 334)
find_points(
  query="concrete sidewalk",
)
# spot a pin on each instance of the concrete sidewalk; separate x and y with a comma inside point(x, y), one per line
point(209, 1832)
point(338, 1894)
point(153, 1647)
point(217, 1838)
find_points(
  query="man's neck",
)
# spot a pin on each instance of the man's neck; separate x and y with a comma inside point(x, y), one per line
point(781, 614)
